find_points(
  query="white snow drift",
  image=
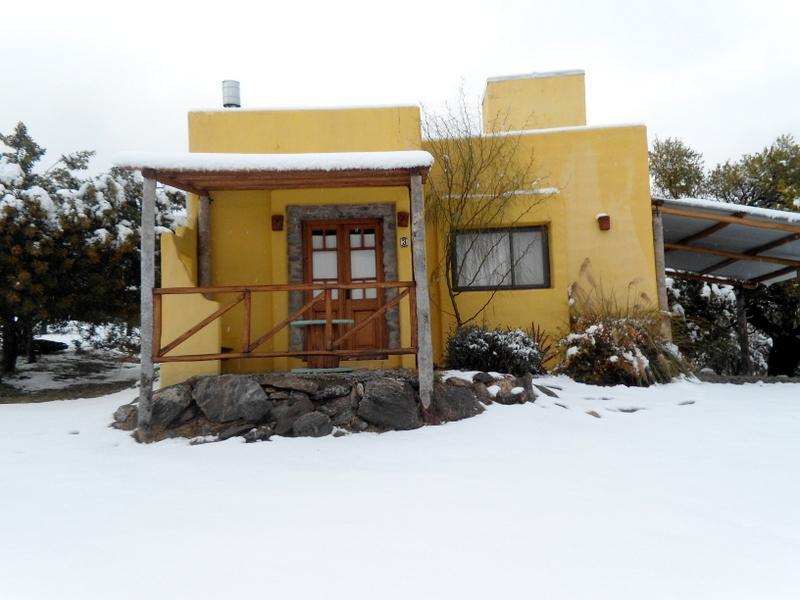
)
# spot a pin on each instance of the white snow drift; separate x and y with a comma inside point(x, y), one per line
point(693, 495)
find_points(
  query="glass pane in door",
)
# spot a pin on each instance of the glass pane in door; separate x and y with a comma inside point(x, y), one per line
point(363, 269)
point(324, 259)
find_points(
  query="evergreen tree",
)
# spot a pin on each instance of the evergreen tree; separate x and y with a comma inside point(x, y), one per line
point(29, 218)
point(775, 310)
point(768, 179)
point(704, 327)
point(676, 170)
point(68, 243)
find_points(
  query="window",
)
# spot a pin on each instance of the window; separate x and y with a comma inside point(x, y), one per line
point(501, 259)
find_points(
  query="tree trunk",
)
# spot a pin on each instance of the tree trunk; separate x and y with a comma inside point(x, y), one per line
point(30, 349)
point(746, 367)
point(10, 345)
point(784, 355)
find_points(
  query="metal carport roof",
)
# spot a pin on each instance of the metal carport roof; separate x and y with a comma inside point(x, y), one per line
point(729, 243)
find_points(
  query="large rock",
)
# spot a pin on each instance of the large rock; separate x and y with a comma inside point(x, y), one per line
point(341, 410)
point(390, 404)
point(288, 382)
point(169, 403)
point(313, 424)
point(188, 415)
point(262, 433)
point(286, 412)
point(339, 405)
point(344, 418)
point(483, 377)
point(510, 393)
point(226, 398)
point(125, 417)
point(545, 390)
point(235, 430)
point(454, 402)
point(482, 393)
point(332, 391)
point(526, 381)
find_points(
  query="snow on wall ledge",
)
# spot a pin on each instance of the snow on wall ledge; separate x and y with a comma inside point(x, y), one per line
point(324, 161)
point(537, 75)
point(565, 129)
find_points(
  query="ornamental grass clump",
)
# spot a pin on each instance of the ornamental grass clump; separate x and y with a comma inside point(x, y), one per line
point(477, 348)
point(614, 344)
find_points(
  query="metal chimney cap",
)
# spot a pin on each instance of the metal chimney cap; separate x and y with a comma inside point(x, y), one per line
point(230, 94)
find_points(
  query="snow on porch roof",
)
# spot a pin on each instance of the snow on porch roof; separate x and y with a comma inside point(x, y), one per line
point(731, 243)
point(203, 172)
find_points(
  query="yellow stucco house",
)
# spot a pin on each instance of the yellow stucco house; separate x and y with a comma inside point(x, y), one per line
point(301, 250)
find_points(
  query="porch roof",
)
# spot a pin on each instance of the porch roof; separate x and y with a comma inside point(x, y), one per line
point(730, 243)
point(202, 172)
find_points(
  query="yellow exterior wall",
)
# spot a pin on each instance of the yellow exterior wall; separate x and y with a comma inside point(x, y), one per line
point(325, 130)
point(535, 101)
point(596, 170)
point(245, 250)
point(180, 312)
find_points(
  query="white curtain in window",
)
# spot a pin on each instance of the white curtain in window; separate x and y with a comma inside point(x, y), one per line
point(483, 259)
point(529, 265)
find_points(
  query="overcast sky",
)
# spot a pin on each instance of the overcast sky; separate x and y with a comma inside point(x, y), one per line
point(724, 76)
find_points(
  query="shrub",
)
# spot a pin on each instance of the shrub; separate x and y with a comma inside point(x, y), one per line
point(612, 343)
point(704, 326)
point(504, 350)
point(619, 351)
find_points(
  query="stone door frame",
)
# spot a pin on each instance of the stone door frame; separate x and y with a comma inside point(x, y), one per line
point(296, 214)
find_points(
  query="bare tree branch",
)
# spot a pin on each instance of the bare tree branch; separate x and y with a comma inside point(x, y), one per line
point(480, 182)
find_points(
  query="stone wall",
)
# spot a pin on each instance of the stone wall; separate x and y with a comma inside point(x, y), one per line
point(258, 407)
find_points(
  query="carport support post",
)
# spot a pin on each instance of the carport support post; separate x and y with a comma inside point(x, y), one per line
point(661, 277)
point(424, 343)
point(741, 326)
point(147, 258)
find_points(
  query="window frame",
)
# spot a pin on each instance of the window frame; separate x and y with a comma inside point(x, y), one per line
point(513, 286)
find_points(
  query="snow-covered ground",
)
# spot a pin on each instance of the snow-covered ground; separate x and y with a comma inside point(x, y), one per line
point(60, 370)
point(677, 500)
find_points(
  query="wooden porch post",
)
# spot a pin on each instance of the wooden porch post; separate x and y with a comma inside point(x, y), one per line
point(744, 337)
point(204, 241)
point(147, 259)
point(418, 250)
point(658, 246)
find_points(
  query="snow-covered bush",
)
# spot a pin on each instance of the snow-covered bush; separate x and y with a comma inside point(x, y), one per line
point(704, 326)
point(505, 350)
point(621, 350)
point(613, 342)
point(116, 336)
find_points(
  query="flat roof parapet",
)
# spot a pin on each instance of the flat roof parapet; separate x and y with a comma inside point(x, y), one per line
point(537, 75)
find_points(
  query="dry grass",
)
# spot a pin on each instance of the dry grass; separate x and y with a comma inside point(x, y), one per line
point(616, 341)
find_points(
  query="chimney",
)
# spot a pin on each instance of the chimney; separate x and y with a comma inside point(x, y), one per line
point(230, 94)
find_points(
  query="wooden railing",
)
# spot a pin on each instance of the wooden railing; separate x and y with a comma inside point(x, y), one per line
point(249, 346)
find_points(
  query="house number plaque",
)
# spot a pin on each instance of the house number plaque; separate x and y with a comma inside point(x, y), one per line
point(403, 242)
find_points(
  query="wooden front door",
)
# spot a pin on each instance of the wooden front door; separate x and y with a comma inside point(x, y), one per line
point(345, 251)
